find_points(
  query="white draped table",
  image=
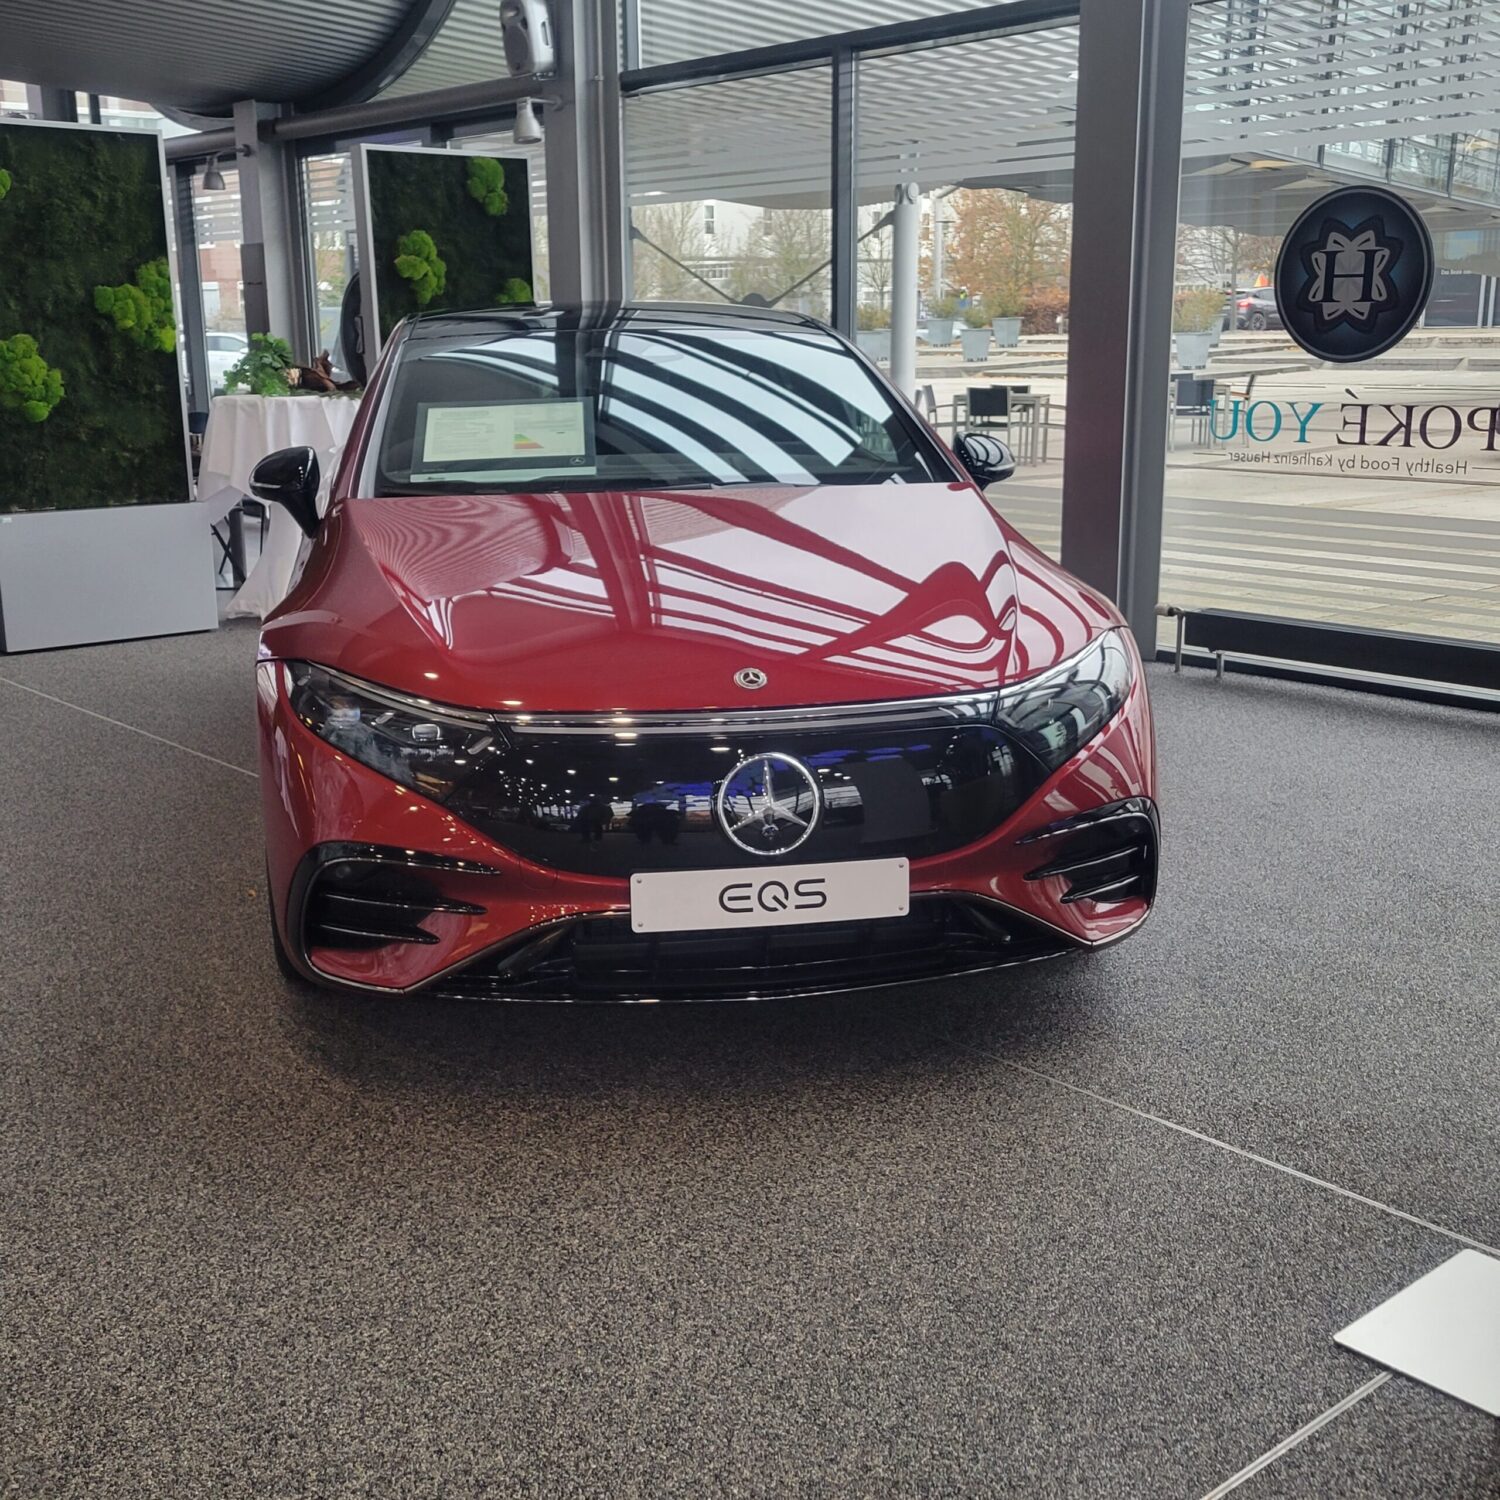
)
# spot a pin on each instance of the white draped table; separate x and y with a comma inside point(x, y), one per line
point(242, 430)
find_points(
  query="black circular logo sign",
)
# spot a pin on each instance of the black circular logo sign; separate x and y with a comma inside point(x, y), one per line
point(1354, 274)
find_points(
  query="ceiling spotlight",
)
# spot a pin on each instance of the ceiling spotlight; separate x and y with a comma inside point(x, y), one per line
point(528, 131)
point(213, 178)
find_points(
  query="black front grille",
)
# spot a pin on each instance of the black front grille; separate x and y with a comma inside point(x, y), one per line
point(612, 804)
point(369, 901)
point(602, 959)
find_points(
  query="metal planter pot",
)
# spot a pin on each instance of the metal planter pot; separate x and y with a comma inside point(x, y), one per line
point(1007, 332)
point(1192, 349)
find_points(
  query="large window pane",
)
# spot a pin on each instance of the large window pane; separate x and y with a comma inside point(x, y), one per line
point(216, 222)
point(728, 192)
point(981, 134)
point(1357, 494)
point(328, 209)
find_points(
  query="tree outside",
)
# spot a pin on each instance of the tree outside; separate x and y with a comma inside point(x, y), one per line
point(1008, 251)
point(1219, 255)
point(789, 246)
point(875, 258)
point(673, 232)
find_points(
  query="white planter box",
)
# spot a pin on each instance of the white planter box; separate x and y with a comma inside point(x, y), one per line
point(1192, 349)
point(976, 343)
point(73, 577)
point(876, 342)
point(1007, 332)
point(940, 330)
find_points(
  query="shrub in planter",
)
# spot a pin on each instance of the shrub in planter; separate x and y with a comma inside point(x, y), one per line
point(1195, 313)
point(1196, 310)
point(942, 314)
point(975, 337)
point(418, 262)
point(28, 384)
point(514, 291)
point(6, 180)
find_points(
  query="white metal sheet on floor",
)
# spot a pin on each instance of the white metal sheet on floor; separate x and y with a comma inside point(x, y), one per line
point(1443, 1330)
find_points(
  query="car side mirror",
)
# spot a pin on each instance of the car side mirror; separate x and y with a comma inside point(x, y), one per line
point(986, 459)
point(290, 478)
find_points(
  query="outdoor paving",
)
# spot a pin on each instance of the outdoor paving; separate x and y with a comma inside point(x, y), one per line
point(1414, 552)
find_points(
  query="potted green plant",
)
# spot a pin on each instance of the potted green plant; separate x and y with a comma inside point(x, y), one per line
point(942, 314)
point(873, 332)
point(975, 336)
point(1194, 314)
point(263, 369)
point(1005, 322)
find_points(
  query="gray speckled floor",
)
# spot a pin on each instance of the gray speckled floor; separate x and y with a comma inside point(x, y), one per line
point(257, 1243)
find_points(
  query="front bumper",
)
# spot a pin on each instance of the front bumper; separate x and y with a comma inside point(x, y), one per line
point(375, 888)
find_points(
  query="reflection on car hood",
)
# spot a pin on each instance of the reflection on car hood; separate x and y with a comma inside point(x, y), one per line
point(655, 600)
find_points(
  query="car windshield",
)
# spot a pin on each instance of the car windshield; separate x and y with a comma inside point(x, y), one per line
point(641, 407)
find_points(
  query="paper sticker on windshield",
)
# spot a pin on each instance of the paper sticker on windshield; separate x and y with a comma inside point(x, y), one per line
point(458, 436)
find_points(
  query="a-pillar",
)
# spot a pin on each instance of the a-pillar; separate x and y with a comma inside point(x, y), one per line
point(906, 223)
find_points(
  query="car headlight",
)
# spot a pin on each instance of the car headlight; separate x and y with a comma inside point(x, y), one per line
point(1056, 714)
point(428, 747)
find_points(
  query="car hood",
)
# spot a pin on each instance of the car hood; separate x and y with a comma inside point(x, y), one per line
point(655, 600)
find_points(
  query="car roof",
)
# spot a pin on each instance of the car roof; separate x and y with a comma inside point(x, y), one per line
point(604, 316)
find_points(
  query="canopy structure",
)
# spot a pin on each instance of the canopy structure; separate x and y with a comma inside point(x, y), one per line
point(1285, 98)
point(200, 56)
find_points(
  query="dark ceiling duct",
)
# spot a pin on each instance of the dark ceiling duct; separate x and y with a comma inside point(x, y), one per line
point(200, 56)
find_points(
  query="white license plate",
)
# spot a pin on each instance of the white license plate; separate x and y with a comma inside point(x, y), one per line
point(789, 895)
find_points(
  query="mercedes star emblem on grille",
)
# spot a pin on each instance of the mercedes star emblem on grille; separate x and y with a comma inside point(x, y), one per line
point(769, 804)
point(751, 677)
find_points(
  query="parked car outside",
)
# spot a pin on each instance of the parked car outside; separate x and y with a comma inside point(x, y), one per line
point(225, 350)
point(1255, 309)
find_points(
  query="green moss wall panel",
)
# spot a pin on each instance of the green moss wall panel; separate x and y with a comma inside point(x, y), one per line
point(84, 209)
point(481, 251)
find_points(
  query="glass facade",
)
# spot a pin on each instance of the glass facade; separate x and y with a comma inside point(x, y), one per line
point(1356, 494)
point(982, 131)
point(961, 194)
point(332, 248)
point(728, 191)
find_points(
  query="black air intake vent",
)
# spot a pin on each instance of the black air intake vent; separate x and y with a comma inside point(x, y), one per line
point(602, 959)
point(1109, 854)
point(357, 903)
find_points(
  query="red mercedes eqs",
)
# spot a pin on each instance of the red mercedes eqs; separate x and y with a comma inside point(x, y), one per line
point(657, 653)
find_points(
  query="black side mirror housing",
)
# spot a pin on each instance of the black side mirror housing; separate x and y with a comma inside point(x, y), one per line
point(290, 478)
point(986, 459)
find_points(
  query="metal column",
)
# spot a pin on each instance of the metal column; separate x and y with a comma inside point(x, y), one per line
point(52, 104)
point(585, 168)
point(906, 221)
point(270, 247)
point(843, 192)
point(1127, 164)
